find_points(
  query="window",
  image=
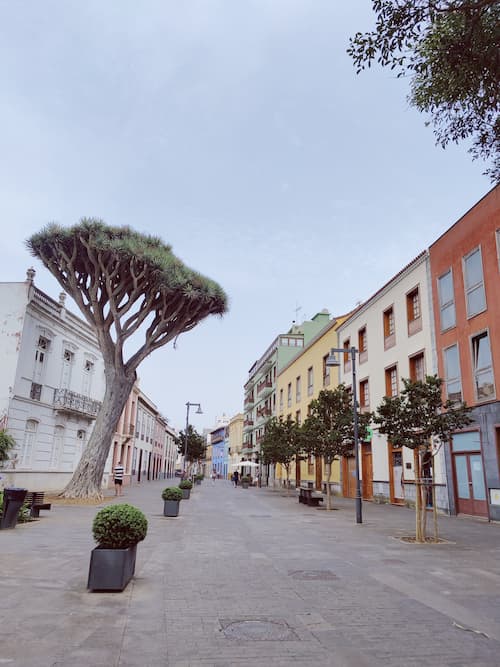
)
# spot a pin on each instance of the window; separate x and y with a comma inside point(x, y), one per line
point(36, 391)
point(389, 328)
point(289, 395)
point(326, 372)
point(68, 357)
point(297, 389)
point(482, 367)
point(473, 281)
point(28, 442)
point(298, 417)
point(391, 381)
point(57, 446)
point(281, 400)
point(364, 395)
point(42, 347)
point(310, 381)
point(417, 370)
point(362, 345)
point(453, 380)
point(446, 301)
point(88, 371)
point(347, 355)
point(413, 311)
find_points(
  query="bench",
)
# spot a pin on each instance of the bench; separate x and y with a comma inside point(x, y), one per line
point(35, 501)
point(309, 496)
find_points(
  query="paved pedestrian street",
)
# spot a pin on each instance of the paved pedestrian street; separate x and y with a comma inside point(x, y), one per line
point(250, 577)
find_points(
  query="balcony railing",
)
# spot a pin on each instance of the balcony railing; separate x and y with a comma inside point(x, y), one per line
point(248, 422)
point(265, 384)
point(249, 400)
point(263, 412)
point(70, 401)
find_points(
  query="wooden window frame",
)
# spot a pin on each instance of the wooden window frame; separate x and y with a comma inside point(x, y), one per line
point(389, 322)
point(414, 310)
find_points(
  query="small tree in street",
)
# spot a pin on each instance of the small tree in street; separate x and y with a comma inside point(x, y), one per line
point(328, 432)
point(127, 285)
point(281, 444)
point(420, 420)
point(196, 446)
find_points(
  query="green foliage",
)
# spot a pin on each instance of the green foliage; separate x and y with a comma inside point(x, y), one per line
point(119, 526)
point(281, 442)
point(451, 51)
point(134, 253)
point(246, 479)
point(196, 446)
point(328, 432)
point(199, 478)
point(185, 484)
point(7, 443)
point(172, 493)
point(418, 415)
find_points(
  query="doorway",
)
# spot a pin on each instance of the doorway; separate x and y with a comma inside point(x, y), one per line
point(396, 478)
point(470, 488)
point(349, 476)
point(367, 471)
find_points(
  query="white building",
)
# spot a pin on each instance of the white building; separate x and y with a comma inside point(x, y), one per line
point(51, 385)
point(393, 331)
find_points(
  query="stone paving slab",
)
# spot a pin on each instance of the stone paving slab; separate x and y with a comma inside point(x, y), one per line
point(250, 577)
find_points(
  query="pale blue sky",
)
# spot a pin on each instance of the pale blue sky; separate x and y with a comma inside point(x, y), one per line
point(238, 131)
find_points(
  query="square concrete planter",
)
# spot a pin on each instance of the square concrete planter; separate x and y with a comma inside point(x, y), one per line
point(111, 569)
point(185, 494)
point(171, 507)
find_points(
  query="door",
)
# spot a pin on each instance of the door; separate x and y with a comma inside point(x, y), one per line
point(396, 480)
point(367, 471)
point(470, 487)
point(349, 476)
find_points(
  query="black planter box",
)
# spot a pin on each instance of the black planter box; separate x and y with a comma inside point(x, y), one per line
point(171, 507)
point(13, 499)
point(111, 569)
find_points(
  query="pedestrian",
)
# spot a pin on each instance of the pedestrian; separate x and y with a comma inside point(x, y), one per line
point(213, 476)
point(236, 476)
point(118, 477)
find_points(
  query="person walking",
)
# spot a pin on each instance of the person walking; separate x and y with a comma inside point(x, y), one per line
point(213, 476)
point(236, 476)
point(118, 477)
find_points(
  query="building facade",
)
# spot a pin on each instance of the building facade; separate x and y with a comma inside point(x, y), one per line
point(465, 270)
point(260, 387)
point(51, 385)
point(300, 382)
point(393, 333)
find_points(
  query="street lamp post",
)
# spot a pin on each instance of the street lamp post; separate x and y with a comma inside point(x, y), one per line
point(198, 412)
point(333, 361)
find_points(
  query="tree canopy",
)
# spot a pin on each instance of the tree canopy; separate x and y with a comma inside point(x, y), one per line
point(281, 443)
point(196, 446)
point(7, 443)
point(450, 49)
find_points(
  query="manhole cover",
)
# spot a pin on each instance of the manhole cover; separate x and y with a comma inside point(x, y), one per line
point(257, 630)
point(312, 575)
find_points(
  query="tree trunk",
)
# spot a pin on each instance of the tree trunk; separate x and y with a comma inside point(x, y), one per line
point(418, 499)
point(328, 471)
point(434, 506)
point(87, 478)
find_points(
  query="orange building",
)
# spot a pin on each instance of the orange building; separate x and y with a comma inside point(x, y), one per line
point(465, 273)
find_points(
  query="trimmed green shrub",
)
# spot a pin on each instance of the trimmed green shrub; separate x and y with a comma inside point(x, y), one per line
point(245, 479)
point(171, 493)
point(198, 478)
point(119, 526)
point(186, 484)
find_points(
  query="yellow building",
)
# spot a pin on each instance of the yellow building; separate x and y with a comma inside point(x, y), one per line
point(235, 441)
point(298, 383)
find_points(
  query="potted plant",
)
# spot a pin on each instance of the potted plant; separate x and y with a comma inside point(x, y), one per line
point(246, 481)
point(117, 529)
point(172, 497)
point(198, 479)
point(186, 485)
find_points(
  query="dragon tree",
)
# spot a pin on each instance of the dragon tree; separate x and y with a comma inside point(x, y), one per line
point(136, 295)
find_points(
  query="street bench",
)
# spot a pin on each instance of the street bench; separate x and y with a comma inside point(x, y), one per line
point(309, 496)
point(35, 501)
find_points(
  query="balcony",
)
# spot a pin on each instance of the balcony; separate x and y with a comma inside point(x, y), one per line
point(246, 447)
point(247, 424)
point(249, 401)
point(264, 387)
point(69, 401)
point(263, 412)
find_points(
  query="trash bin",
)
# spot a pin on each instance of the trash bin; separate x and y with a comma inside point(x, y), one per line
point(13, 499)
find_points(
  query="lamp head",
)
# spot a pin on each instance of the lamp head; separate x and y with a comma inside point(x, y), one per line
point(332, 360)
point(199, 411)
